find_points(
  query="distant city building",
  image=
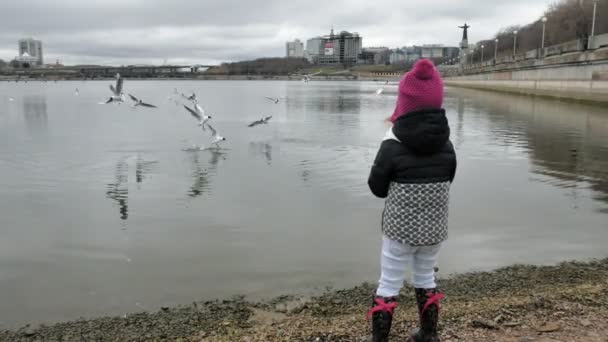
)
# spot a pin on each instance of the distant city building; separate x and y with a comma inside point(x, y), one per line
point(398, 56)
point(313, 49)
point(413, 53)
point(432, 51)
point(26, 61)
point(344, 48)
point(30, 51)
point(295, 49)
point(375, 55)
point(451, 52)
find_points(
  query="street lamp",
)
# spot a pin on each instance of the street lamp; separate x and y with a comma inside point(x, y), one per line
point(514, 42)
point(495, 49)
point(482, 47)
point(594, 13)
point(544, 20)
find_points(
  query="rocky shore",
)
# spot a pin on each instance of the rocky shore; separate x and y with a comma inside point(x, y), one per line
point(567, 302)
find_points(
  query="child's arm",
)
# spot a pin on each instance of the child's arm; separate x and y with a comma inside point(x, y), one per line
point(454, 164)
point(380, 175)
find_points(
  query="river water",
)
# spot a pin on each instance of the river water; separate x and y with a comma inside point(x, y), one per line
point(102, 212)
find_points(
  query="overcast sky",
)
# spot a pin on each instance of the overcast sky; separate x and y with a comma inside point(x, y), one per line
point(213, 31)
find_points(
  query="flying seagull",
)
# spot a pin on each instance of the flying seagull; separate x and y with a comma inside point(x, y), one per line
point(117, 96)
point(262, 121)
point(275, 100)
point(381, 90)
point(139, 102)
point(307, 78)
point(190, 98)
point(216, 137)
point(199, 114)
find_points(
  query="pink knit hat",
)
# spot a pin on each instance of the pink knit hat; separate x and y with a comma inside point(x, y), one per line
point(420, 88)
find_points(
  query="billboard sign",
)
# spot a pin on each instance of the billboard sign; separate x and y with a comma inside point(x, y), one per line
point(329, 49)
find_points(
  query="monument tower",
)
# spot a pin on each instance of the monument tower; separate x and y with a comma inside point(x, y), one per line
point(464, 44)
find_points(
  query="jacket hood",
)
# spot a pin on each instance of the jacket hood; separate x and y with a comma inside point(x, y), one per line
point(423, 132)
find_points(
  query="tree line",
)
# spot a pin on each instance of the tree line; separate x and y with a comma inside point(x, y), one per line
point(567, 20)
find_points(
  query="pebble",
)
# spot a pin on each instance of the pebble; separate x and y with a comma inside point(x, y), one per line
point(548, 327)
point(29, 332)
point(484, 324)
point(585, 322)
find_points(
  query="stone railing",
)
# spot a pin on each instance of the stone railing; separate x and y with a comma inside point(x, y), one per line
point(571, 46)
point(569, 52)
point(598, 41)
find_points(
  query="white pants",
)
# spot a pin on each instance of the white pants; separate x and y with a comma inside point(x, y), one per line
point(395, 260)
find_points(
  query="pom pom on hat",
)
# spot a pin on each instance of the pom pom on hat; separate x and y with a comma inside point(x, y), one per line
point(424, 70)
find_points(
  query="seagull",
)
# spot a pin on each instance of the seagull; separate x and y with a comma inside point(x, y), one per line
point(199, 114)
point(77, 92)
point(190, 98)
point(139, 102)
point(275, 100)
point(381, 90)
point(262, 121)
point(117, 91)
point(256, 122)
point(216, 137)
point(307, 78)
point(11, 98)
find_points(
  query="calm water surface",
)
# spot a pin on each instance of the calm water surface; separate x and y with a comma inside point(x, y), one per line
point(102, 212)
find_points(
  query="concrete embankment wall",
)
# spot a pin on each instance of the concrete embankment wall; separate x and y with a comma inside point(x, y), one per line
point(583, 81)
point(592, 91)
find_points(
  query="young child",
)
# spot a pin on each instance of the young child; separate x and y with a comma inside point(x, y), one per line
point(413, 170)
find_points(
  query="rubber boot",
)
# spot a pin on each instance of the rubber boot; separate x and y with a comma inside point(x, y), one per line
point(381, 314)
point(428, 309)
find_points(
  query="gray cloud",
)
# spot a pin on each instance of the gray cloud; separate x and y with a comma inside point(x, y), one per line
point(211, 31)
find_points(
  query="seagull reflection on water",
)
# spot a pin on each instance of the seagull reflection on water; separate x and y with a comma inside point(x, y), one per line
point(261, 148)
point(202, 175)
point(118, 191)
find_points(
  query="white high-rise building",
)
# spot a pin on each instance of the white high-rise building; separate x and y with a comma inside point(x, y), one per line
point(313, 49)
point(295, 49)
point(30, 47)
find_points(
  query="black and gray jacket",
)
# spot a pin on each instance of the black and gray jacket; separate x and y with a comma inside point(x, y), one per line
point(413, 170)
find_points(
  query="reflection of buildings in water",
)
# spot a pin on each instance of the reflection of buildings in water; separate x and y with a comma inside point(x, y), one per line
point(202, 176)
point(260, 148)
point(119, 190)
point(567, 142)
point(35, 113)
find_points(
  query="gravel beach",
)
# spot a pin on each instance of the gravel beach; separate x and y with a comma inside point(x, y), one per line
point(566, 302)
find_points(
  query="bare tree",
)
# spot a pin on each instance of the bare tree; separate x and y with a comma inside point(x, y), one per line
point(567, 20)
